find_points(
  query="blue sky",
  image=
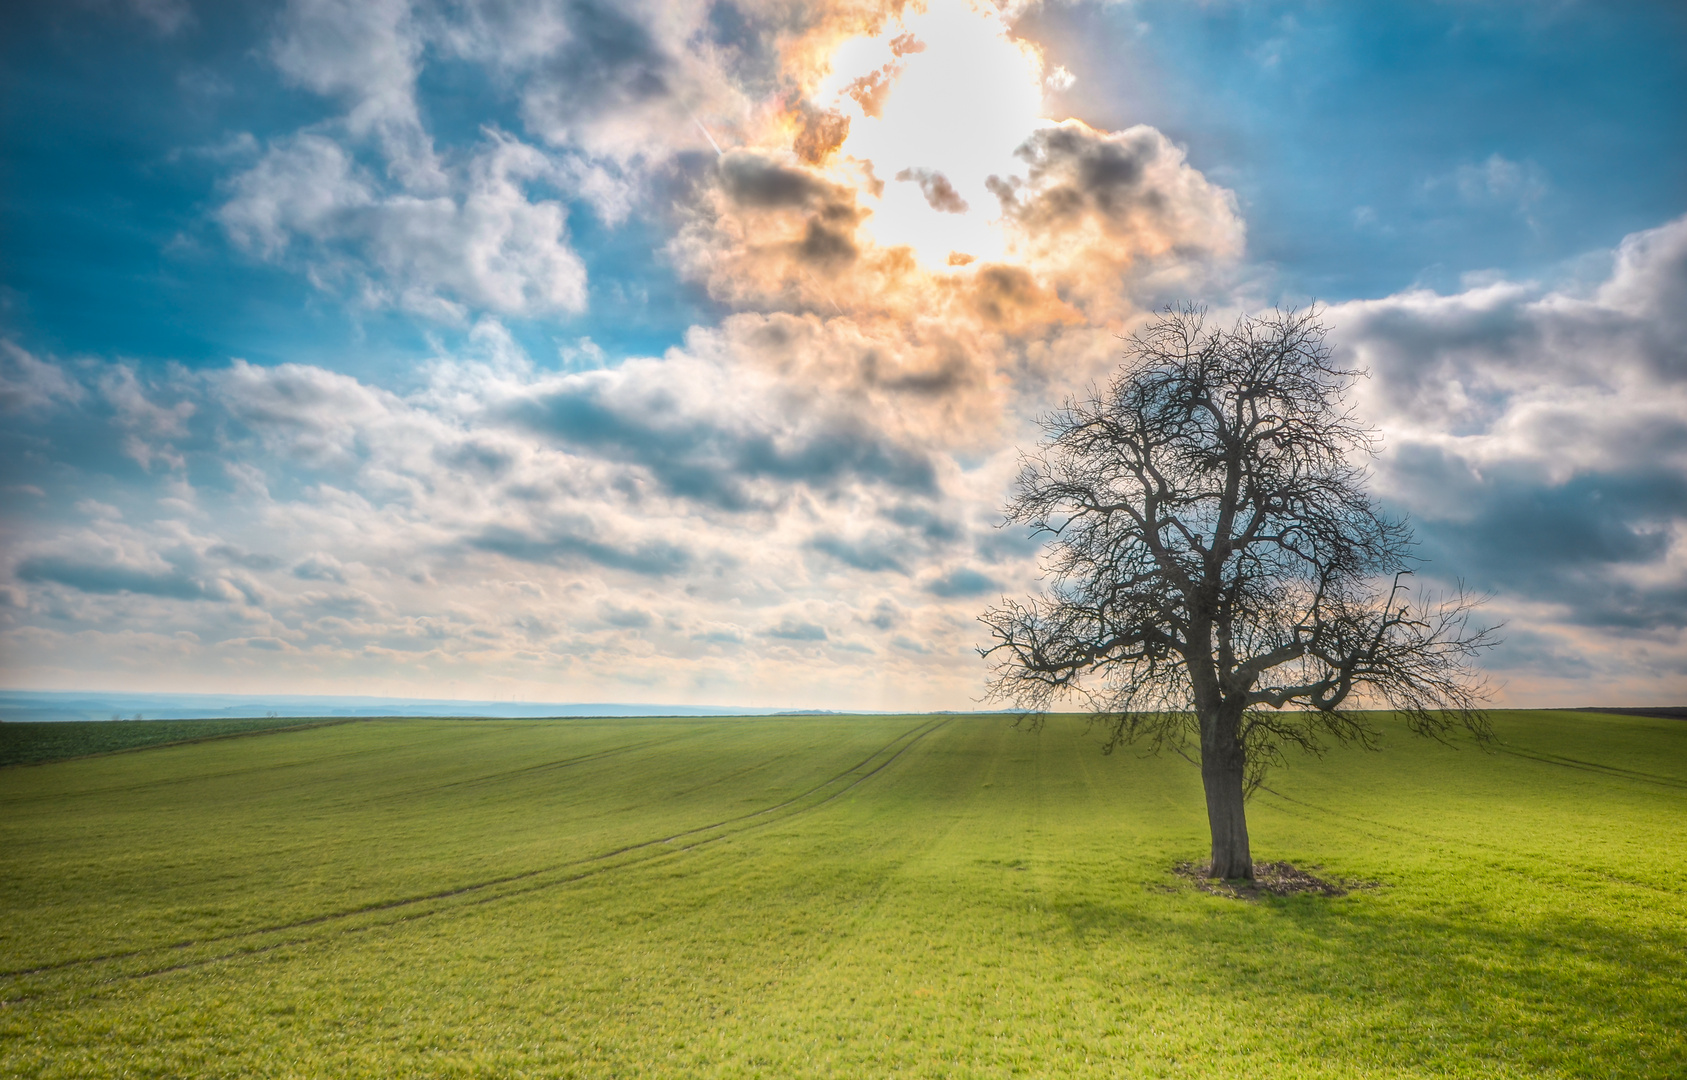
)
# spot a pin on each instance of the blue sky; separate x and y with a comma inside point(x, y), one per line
point(432, 348)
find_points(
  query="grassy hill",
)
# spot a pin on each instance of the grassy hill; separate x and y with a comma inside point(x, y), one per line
point(837, 896)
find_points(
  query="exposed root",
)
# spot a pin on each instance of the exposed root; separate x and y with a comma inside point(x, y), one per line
point(1270, 879)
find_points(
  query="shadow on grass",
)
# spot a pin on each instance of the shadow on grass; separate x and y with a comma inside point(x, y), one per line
point(1551, 990)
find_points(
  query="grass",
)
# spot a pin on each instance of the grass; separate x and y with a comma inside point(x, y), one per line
point(35, 743)
point(825, 896)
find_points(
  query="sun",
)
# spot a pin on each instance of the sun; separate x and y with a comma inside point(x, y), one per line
point(937, 104)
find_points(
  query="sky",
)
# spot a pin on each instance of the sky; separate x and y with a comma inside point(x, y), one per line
point(630, 350)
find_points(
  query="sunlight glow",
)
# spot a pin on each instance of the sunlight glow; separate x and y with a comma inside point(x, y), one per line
point(936, 105)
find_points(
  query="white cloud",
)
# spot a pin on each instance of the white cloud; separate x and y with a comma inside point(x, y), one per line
point(148, 427)
point(30, 384)
point(486, 246)
point(305, 185)
point(366, 53)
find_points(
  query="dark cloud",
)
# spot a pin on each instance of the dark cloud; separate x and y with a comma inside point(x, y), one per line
point(112, 578)
point(564, 545)
point(816, 217)
point(475, 458)
point(1574, 544)
point(861, 554)
point(751, 180)
point(320, 567)
point(241, 557)
point(624, 617)
point(924, 520)
point(1075, 171)
point(962, 582)
point(1130, 191)
point(1090, 169)
point(1565, 481)
point(1008, 297)
point(939, 192)
point(704, 459)
point(793, 629)
point(825, 244)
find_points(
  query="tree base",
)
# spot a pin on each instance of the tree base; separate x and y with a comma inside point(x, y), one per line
point(1270, 879)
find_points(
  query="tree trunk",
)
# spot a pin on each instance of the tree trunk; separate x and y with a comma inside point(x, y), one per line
point(1222, 764)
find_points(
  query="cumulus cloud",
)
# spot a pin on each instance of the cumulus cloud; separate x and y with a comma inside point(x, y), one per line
point(623, 80)
point(1539, 438)
point(1113, 202)
point(486, 245)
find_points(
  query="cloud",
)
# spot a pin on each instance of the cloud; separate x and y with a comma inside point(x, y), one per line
point(304, 185)
point(565, 543)
point(626, 79)
point(99, 576)
point(30, 384)
point(862, 554)
point(1538, 437)
point(1498, 181)
point(670, 418)
point(311, 414)
point(940, 194)
point(628, 618)
point(378, 532)
point(320, 566)
point(481, 243)
point(961, 581)
point(794, 629)
point(148, 427)
point(365, 53)
point(1108, 201)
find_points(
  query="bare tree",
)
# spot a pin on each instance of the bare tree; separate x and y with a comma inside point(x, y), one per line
point(1218, 571)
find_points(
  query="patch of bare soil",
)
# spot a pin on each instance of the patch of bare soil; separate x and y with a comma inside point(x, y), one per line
point(1270, 879)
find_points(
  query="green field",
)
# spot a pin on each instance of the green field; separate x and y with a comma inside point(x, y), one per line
point(34, 742)
point(837, 896)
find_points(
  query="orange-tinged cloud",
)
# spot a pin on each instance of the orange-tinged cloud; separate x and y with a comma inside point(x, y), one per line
point(933, 293)
point(907, 176)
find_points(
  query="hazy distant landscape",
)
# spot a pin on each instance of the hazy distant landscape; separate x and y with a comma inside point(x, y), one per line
point(861, 895)
point(23, 705)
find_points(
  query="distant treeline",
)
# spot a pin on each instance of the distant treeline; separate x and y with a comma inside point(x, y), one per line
point(1664, 712)
point(34, 743)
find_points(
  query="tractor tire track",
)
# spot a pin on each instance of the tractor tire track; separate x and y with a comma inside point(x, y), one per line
point(1613, 771)
point(665, 847)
